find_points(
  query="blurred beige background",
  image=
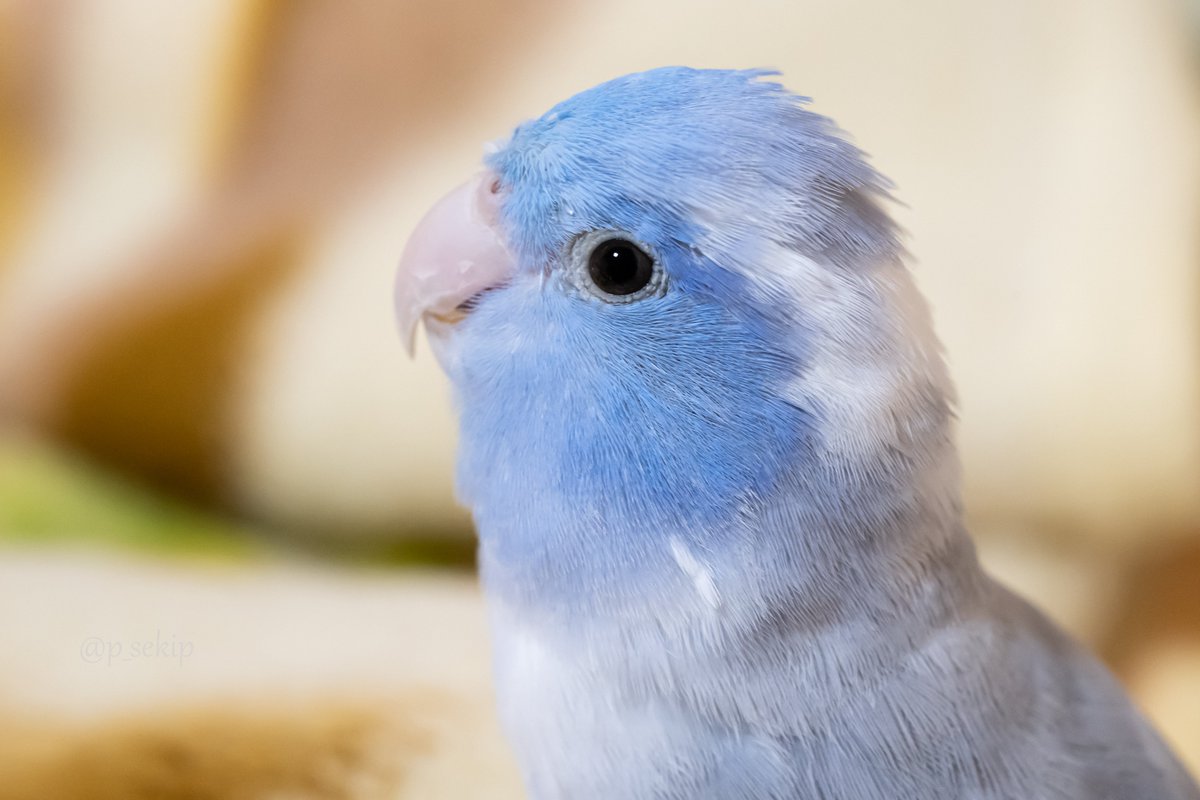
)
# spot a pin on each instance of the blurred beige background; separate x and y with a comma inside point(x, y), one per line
point(201, 204)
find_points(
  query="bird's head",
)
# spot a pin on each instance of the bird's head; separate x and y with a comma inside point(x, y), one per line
point(667, 301)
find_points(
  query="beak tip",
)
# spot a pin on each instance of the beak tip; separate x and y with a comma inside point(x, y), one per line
point(454, 252)
point(406, 327)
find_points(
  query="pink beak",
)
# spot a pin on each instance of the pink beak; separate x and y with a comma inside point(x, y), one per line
point(454, 254)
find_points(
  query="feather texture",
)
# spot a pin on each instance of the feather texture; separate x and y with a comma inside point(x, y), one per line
point(720, 527)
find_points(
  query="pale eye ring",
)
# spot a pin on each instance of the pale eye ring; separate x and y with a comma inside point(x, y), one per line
point(613, 266)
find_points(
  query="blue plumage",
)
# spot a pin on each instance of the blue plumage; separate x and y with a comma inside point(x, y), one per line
point(718, 507)
point(638, 445)
point(657, 152)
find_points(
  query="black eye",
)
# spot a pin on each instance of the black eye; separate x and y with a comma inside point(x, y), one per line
point(619, 267)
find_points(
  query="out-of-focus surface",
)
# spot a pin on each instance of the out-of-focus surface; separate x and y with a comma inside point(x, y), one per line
point(201, 204)
point(166, 681)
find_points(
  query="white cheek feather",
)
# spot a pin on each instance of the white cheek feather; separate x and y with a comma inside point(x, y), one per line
point(700, 574)
point(866, 386)
point(529, 670)
point(530, 660)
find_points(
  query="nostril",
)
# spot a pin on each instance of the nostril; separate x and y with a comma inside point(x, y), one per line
point(488, 197)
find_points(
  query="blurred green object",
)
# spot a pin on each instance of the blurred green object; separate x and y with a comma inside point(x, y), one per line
point(48, 495)
point(51, 496)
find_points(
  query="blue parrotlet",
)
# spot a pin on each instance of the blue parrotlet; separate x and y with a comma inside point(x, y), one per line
point(707, 441)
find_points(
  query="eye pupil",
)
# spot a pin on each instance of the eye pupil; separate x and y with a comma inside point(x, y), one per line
point(619, 267)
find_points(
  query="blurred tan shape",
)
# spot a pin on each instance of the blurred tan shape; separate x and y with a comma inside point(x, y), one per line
point(333, 428)
point(25, 63)
point(1155, 641)
point(149, 394)
point(139, 366)
point(295, 682)
point(1166, 683)
point(323, 750)
point(417, 747)
point(120, 105)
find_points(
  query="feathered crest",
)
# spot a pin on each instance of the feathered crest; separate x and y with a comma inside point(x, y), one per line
point(728, 150)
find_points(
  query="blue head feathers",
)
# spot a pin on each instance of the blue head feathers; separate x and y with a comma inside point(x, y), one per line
point(768, 353)
point(664, 151)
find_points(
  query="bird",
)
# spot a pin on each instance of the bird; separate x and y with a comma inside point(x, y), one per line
point(707, 442)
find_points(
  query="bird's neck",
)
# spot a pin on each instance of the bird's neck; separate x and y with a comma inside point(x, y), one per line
point(835, 545)
point(796, 610)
